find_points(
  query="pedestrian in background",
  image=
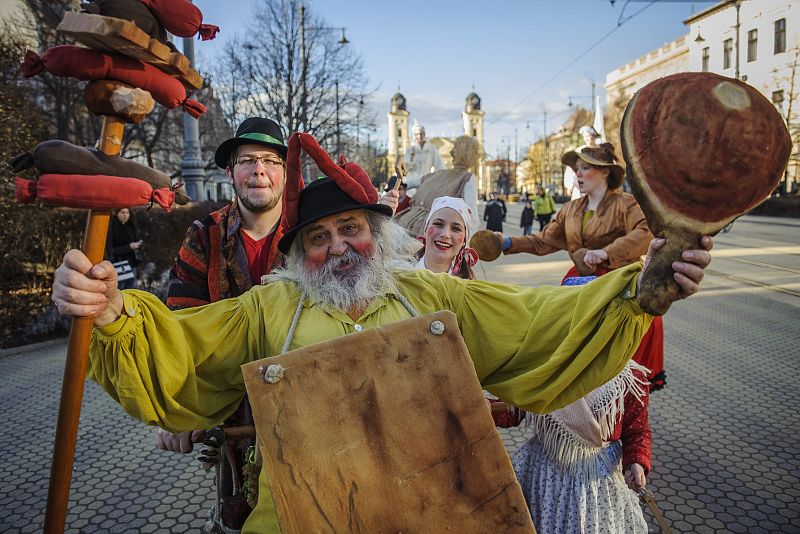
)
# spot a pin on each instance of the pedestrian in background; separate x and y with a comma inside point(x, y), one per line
point(544, 206)
point(526, 221)
point(494, 214)
point(123, 245)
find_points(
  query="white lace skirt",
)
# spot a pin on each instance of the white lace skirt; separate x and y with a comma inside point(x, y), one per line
point(563, 503)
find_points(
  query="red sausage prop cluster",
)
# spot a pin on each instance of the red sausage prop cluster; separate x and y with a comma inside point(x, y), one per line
point(86, 64)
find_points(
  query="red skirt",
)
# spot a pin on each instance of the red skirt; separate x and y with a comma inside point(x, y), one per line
point(651, 350)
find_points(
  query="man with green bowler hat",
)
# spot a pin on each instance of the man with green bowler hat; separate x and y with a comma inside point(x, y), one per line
point(226, 253)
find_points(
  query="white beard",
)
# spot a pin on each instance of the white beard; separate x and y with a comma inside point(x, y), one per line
point(354, 288)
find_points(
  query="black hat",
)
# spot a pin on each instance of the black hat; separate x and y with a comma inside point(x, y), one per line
point(319, 199)
point(255, 131)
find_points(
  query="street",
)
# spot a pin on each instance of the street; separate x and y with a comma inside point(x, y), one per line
point(725, 452)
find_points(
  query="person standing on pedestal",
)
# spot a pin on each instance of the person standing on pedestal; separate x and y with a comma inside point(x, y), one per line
point(421, 158)
point(457, 182)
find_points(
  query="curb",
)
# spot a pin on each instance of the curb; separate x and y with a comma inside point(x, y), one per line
point(33, 347)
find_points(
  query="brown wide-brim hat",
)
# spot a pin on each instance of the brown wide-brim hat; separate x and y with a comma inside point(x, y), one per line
point(601, 156)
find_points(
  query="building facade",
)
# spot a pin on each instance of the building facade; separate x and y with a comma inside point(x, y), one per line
point(400, 137)
point(763, 49)
point(757, 41)
point(622, 83)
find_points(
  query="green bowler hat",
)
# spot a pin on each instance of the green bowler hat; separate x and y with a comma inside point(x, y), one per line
point(252, 131)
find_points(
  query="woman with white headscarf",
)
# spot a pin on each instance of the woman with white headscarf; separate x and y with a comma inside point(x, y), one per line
point(447, 232)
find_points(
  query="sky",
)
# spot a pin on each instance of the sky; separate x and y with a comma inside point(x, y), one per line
point(520, 56)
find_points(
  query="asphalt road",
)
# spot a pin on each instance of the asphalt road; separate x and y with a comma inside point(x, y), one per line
point(726, 455)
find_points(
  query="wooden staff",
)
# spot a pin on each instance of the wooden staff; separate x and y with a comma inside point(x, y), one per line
point(80, 335)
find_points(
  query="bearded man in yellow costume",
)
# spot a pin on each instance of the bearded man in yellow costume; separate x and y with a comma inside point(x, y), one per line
point(349, 268)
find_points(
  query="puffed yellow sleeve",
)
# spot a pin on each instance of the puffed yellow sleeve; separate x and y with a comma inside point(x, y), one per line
point(178, 370)
point(543, 348)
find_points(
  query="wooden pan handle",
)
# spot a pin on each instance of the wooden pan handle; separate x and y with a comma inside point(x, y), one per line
point(657, 286)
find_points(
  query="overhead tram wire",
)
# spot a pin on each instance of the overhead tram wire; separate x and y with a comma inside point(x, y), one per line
point(569, 65)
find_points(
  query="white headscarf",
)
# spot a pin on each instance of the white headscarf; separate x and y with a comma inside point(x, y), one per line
point(417, 128)
point(457, 204)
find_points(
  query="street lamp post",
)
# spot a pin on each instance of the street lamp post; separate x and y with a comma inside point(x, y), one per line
point(304, 127)
point(737, 4)
point(544, 150)
point(303, 71)
point(569, 98)
point(304, 62)
point(338, 130)
point(192, 171)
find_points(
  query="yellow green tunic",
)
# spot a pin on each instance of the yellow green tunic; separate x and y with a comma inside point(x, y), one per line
point(537, 348)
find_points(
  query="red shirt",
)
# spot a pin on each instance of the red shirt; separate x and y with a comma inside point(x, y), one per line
point(257, 255)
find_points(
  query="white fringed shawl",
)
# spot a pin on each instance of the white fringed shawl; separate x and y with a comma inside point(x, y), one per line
point(574, 435)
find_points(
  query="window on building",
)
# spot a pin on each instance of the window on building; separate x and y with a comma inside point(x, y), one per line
point(727, 52)
point(780, 36)
point(400, 133)
point(706, 53)
point(752, 45)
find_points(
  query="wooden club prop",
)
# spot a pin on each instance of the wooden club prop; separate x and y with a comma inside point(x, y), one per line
point(80, 336)
point(118, 103)
point(701, 150)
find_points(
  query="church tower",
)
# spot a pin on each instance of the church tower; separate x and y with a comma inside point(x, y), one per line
point(472, 117)
point(398, 130)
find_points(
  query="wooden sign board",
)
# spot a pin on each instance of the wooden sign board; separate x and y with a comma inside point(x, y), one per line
point(385, 430)
point(119, 36)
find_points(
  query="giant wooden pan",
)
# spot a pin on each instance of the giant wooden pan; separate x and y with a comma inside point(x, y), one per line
point(701, 150)
point(385, 430)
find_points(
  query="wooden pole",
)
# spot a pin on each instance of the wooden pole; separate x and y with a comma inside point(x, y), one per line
point(80, 335)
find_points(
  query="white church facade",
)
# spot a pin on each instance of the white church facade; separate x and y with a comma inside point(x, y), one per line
point(400, 135)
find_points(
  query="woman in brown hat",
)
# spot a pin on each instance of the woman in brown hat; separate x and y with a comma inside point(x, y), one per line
point(559, 468)
point(602, 230)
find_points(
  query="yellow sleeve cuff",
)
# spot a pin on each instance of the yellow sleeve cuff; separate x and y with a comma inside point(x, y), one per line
point(130, 309)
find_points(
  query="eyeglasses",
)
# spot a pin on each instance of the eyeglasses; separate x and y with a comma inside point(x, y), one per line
point(248, 161)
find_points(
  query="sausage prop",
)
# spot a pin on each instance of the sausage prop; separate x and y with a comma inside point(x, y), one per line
point(60, 157)
point(182, 18)
point(701, 150)
point(91, 192)
point(86, 64)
